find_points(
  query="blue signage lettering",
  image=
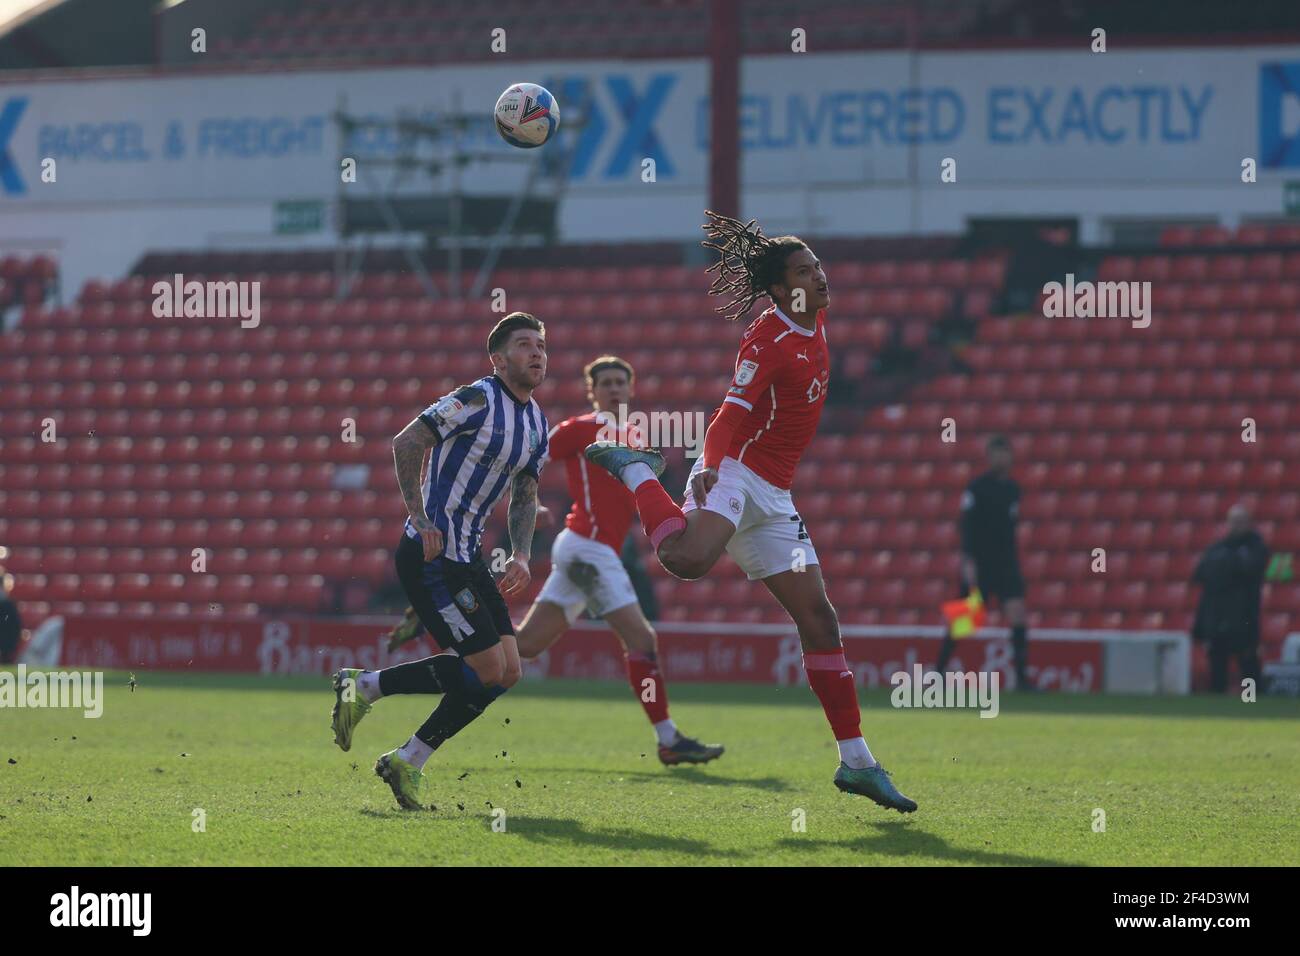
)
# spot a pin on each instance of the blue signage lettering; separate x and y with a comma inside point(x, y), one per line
point(104, 142)
point(844, 118)
point(253, 138)
point(1113, 114)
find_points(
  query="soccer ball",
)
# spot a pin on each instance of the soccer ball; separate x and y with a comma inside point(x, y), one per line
point(527, 115)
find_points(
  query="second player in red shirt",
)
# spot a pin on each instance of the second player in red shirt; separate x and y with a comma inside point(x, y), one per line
point(587, 573)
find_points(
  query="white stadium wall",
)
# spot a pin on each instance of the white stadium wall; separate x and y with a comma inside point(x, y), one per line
point(842, 144)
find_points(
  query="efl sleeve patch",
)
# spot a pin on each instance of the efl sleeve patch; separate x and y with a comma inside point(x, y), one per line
point(448, 409)
point(451, 411)
point(746, 371)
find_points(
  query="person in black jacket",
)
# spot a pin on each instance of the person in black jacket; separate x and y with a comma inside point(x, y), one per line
point(1231, 576)
point(11, 625)
point(990, 561)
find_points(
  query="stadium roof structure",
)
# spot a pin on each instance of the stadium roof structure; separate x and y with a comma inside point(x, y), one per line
point(14, 13)
point(62, 34)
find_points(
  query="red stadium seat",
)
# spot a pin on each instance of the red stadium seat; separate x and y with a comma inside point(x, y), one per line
point(1124, 441)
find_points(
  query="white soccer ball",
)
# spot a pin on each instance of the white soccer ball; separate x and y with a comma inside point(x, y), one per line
point(527, 115)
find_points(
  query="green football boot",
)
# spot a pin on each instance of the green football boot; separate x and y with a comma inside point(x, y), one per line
point(404, 779)
point(408, 630)
point(614, 457)
point(873, 783)
point(347, 713)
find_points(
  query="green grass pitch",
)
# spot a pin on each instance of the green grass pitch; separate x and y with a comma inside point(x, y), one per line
point(1181, 781)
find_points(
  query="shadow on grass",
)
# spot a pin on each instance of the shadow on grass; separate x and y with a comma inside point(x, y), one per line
point(693, 775)
point(576, 834)
point(391, 814)
point(562, 833)
point(913, 845)
point(432, 812)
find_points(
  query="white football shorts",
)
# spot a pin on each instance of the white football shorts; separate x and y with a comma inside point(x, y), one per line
point(770, 536)
point(586, 574)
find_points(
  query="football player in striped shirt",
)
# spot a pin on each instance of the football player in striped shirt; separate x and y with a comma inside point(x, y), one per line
point(484, 438)
point(738, 496)
point(586, 570)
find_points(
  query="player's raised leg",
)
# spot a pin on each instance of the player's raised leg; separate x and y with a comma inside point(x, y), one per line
point(803, 595)
point(687, 544)
point(641, 654)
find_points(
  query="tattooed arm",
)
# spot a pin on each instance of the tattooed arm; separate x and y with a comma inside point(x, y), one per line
point(523, 514)
point(410, 449)
point(522, 520)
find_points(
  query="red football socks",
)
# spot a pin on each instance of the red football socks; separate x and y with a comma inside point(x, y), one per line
point(832, 681)
point(660, 515)
point(648, 685)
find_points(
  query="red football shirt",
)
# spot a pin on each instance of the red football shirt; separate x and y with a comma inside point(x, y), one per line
point(781, 375)
point(603, 508)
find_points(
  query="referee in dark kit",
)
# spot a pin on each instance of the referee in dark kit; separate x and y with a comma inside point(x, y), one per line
point(989, 561)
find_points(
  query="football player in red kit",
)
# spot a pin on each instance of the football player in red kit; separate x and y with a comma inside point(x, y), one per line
point(738, 496)
point(586, 571)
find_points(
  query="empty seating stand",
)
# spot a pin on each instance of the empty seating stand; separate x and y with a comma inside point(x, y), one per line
point(176, 436)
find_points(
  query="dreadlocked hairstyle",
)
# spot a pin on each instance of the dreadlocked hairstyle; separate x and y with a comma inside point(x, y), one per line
point(749, 262)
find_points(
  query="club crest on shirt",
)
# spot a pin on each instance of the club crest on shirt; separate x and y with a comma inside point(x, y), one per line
point(745, 373)
point(467, 601)
point(735, 506)
point(533, 442)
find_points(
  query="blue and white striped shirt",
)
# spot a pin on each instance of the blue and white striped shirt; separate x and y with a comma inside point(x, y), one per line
point(485, 437)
